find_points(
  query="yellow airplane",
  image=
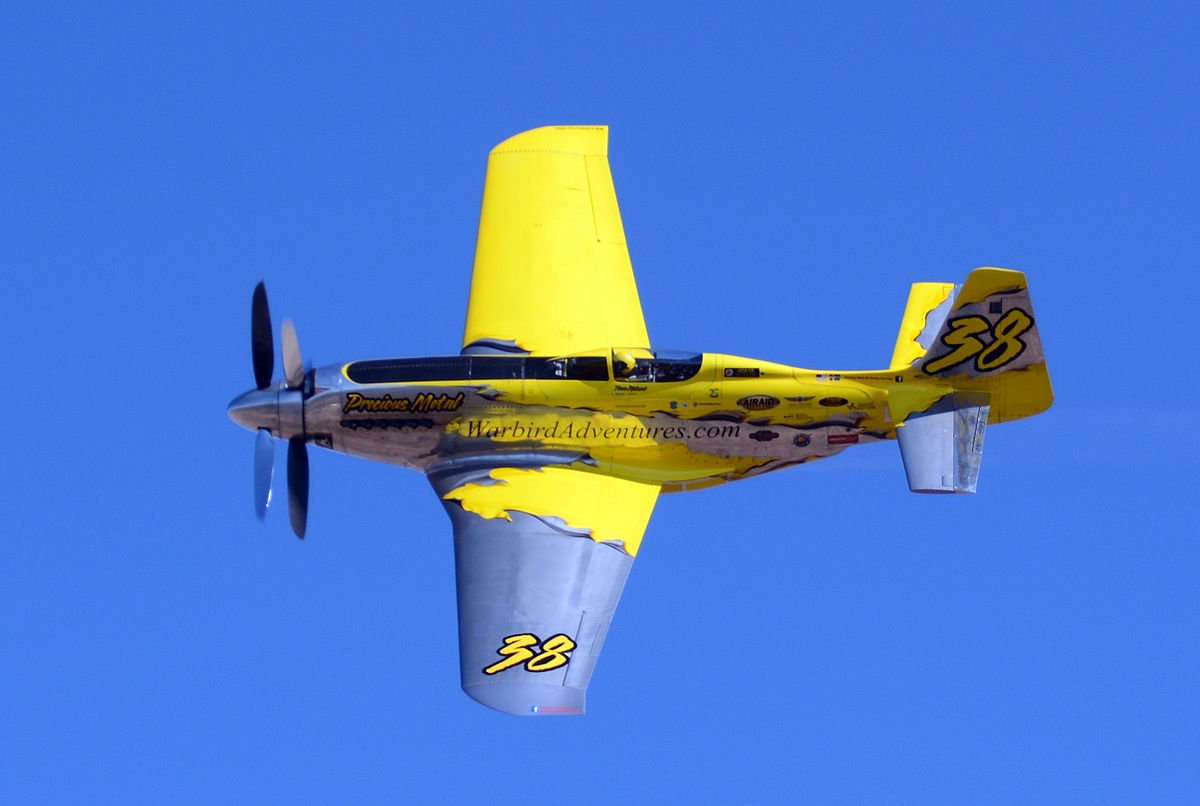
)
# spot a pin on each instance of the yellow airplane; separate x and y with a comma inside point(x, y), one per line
point(551, 435)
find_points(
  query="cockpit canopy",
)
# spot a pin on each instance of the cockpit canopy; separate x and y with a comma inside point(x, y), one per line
point(638, 365)
point(479, 368)
point(655, 366)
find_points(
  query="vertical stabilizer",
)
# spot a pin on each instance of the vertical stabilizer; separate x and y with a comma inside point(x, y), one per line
point(963, 360)
point(928, 304)
point(989, 343)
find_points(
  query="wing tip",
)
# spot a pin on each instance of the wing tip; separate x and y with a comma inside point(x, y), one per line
point(583, 140)
point(529, 699)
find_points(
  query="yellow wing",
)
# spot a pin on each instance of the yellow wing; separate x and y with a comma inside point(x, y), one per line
point(552, 272)
point(606, 508)
point(541, 555)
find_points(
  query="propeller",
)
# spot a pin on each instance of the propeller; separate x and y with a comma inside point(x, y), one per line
point(264, 471)
point(262, 346)
point(262, 349)
point(297, 473)
point(293, 366)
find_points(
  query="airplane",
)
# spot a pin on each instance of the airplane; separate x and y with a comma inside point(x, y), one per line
point(549, 437)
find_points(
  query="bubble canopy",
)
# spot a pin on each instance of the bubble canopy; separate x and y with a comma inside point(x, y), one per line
point(648, 366)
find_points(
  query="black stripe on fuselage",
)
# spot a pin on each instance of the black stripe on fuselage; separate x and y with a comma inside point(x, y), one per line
point(477, 368)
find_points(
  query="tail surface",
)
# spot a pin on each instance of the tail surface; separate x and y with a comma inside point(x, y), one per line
point(928, 304)
point(963, 361)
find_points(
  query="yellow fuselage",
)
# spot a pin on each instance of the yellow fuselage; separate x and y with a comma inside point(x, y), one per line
point(730, 418)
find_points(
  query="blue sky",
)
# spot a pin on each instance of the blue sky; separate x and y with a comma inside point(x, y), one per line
point(784, 175)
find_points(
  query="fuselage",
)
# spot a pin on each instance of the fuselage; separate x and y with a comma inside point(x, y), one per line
point(679, 420)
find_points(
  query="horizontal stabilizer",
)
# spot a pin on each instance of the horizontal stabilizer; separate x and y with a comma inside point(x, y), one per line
point(942, 447)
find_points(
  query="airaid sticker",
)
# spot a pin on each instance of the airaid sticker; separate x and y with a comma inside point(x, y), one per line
point(758, 402)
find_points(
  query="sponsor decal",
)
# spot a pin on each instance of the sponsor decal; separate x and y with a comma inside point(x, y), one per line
point(554, 709)
point(503, 428)
point(629, 387)
point(764, 436)
point(963, 336)
point(842, 439)
point(715, 431)
point(801, 440)
point(758, 402)
point(833, 402)
point(422, 403)
point(528, 649)
point(829, 376)
point(741, 372)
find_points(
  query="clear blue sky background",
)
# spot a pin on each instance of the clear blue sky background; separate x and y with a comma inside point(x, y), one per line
point(784, 175)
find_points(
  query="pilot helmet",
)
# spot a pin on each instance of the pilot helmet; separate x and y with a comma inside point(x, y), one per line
point(623, 363)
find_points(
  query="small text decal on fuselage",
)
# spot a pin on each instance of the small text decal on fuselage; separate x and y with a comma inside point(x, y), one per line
point(424, 402)
point(758, 402)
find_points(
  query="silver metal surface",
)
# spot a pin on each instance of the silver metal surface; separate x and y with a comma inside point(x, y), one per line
point(529, 577)
point(942, 448)
point(291, 414)
point(258, 408)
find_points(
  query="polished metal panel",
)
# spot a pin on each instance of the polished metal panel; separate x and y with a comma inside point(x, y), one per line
point(528, 579)
point(291, 414)
point(942, 448)
point(258, 408)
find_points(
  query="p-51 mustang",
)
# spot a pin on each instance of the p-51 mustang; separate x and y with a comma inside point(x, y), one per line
point(551, 435)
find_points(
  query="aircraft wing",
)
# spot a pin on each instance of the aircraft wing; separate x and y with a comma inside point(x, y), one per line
point(552, 273)
point(541, 556)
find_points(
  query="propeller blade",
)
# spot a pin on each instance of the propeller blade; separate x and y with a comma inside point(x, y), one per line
point(262, 345)
point(293, 365)
point(298, 485)
point(264, 470)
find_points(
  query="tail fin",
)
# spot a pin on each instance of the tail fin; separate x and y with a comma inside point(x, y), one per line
point(989, 344)
point(928, 304)
point(985, 365)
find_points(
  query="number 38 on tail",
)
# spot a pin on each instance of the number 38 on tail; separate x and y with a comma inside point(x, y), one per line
point(551, 433)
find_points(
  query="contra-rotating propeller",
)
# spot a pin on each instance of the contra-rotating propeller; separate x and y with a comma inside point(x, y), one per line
point(288, 419)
